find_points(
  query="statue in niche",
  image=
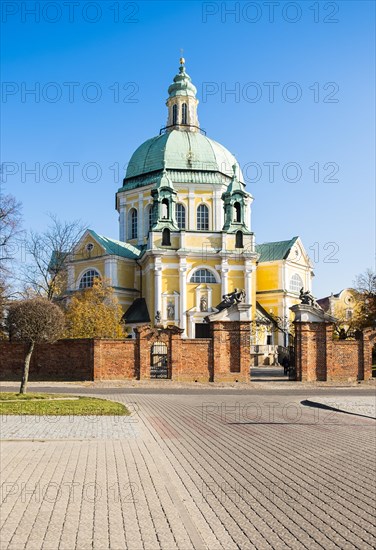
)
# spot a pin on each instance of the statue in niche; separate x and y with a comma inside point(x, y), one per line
point(170, 311)
point(203, 303)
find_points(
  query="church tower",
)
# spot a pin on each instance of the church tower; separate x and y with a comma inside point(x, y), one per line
point(234, 199)
point(183, 203)
point(163, 208)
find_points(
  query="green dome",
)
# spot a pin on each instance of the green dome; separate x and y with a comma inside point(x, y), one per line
point(177, 150)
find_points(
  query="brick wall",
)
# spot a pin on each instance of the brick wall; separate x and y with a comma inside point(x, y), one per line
point(347, 361)
point(69, 360)
point(192, 360)
point(224, 357)
point(321, 358)
point(115, 359)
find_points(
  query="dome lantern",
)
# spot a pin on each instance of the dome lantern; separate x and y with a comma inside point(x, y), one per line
point(182, 103)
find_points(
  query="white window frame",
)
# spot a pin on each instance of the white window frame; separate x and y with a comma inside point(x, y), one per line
point(81, 275)
point(202, 204)
point(181, 205)
point(294, 283)
point(209, 269)
point(132, 227)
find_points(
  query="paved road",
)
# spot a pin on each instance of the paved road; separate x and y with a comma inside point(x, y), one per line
point(191, 470)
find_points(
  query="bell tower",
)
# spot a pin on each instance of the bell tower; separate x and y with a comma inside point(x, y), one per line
point(235, 199)
point(182, 103)
point(164, 202)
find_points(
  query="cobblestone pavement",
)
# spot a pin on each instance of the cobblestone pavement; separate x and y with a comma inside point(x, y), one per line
point(362, 405)
point(190, 471)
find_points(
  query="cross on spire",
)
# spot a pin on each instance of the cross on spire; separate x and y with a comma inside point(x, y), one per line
point(182, 60)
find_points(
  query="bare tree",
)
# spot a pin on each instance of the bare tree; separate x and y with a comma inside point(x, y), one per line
point(46, 274)
point(10, 229)
point(34, 321)
point(365, 286)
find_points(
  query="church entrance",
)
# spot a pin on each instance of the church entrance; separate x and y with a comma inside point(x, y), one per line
point(202, 330)
point(159, 361)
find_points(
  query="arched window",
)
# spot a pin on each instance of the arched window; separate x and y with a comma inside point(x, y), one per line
point(237, 212)
point(174, 114)
point(165, 209)
point(239, 240)
point(166, 237)
point(180, 216)
point(88, 277)
point(203, 276)
point(296, 283)
point(203, 217)
point(184, 114)
point(132, 224)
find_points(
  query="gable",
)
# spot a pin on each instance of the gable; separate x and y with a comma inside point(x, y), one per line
point(93, 245)
point(88, 248)
point(298, 254)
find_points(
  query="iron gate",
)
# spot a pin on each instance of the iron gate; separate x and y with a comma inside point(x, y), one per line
point(159, 361)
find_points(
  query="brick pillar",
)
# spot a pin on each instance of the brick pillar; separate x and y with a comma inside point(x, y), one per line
point(329, 350)
point(311, 350)
point(313, 342)
point(298, 351)
point(143, 352)
point(245, 343)
point(96, 354)
point(368, 341)
point(175, 358)
point(230, 351)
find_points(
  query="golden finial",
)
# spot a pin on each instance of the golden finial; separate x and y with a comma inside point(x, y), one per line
point(182, 60)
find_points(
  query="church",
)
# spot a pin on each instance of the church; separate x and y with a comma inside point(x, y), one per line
point(185, 237)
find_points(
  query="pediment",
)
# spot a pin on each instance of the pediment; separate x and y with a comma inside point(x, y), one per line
point(88, 247)
point(298, 254)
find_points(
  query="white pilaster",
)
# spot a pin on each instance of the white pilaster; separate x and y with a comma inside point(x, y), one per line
point(110, 271)
point(183, 295)
point(247, 213)
point(224, 277)
point(140, 219)
point(122, 224)
point(217, 211)
point(248, 274)
point(158, 285)
point(191, 211)
point(70, 277)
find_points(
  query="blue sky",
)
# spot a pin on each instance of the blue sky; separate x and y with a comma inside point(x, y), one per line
point(101, 74)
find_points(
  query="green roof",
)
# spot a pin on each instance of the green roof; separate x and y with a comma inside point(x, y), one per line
point(117, 248)
point(278, 250)
point(175, 150)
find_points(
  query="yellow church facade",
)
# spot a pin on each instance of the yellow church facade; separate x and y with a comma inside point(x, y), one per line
point(185, 237)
